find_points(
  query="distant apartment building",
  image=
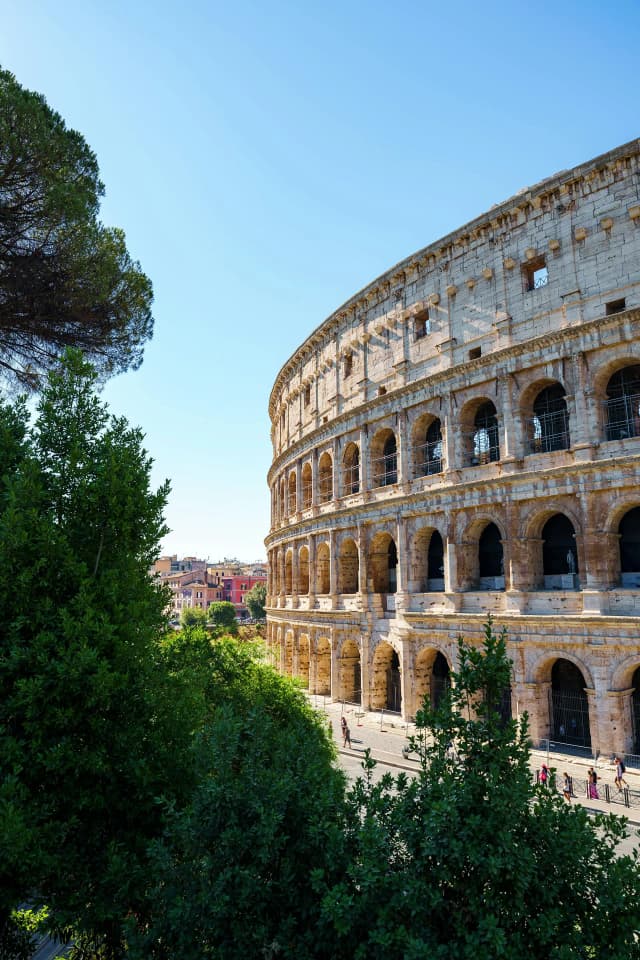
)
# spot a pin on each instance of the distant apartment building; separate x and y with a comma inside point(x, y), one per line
point(192, 589)
point(166, 565)
point(196, 583)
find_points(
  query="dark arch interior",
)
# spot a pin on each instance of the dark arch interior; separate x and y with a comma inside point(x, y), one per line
point(440, 680)
point(559, 554)
point(490, 552)
point(485, 436)
point(629, 531)
point(551, 420)
point(435, 562)
point(568, 706)
point(623, 403)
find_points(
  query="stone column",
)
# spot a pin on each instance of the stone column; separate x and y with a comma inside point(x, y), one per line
point(312, 571)
point(616, 726)
point(333, 571)
point(295, 569)
point(299, 486)
point(365, 466)
point(402, 571)
point(583, 431)
point(453, 440)
point(336, 692)
point(365, 673)
point(281, 569)
point(403, 451)
point(363, 564)
point(337, 473)
point(314, 478)
point(508, 424)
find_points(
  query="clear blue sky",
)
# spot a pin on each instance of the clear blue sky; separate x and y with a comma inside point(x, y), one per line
point(267, 160)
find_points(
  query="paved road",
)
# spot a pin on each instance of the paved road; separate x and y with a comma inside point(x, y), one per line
point(386, 734)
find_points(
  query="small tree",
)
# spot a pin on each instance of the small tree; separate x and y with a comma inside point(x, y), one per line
point(473, 861)
point(255, 600)
point(222, 614)
point(193, 617)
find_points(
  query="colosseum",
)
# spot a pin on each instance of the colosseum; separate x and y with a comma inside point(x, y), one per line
point(462, 438)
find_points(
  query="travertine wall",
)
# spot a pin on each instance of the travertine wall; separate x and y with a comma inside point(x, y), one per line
point(477, 383)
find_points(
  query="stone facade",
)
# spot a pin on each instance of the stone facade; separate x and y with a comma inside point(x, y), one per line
point(462, 437)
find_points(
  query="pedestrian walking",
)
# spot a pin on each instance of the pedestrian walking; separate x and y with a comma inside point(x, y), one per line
point(592, 784)
point(543, 776)
point(346, 735)
point(566, 787)
point(620, 772)
point(343, 723)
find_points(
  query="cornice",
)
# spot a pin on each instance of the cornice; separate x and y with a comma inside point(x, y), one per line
point(388, 404)
point(498, 218)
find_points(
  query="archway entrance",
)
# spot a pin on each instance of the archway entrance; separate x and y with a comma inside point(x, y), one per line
point(568, 705)
point(635, 710)
point(385, 679)
point(350, 673)
point(303, 660)
point(490, 559)
point(323, 667)
point(629, 531)
point(559, 553)
point(440, 680)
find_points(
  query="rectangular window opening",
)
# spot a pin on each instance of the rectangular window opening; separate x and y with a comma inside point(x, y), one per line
point(475, 352)
point(535, 274)
point(306, 397)
point(422, 325)
point(615, 306)
point(348, 364)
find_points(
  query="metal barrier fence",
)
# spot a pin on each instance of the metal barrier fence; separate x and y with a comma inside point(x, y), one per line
point(605, 791)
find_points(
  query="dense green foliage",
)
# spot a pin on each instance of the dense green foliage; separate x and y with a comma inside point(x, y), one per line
point(255, 600)
point(90, 730)
point(193, 617)
point(233, 874)
point(65, 279)
point(222, 614)
point(472, 861)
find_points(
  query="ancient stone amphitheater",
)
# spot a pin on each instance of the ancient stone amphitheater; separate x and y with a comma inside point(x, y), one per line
point(462, 437)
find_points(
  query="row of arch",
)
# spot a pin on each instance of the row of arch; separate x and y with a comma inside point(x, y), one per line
point(565, 714)
point(547, 427)
point(554, 560)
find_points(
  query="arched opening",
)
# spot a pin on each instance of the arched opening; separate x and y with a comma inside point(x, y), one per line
point(568, 707)
point(490, 559)
point(384, 564)
point(350, 673)
point(549, 427)
point(323, 667)
point(288, 573)
point(385, 679)
point(384, 459)
point(303, 570)
point(428, 450)
point(440, 680)
point(325, 478)
point(485, 445)
point(351, 469)
point(435, 562)
point(303, 660)
point(623, 404)
point(292, 493)
point(635, 710)
point(348, 568)
point(306, 482)
point(559, 554)
point(283, 501)
point(629, 531)
point(288, 653)
point(322, 568)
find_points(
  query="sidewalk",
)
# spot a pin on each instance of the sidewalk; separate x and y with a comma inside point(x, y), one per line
point(385, 734)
